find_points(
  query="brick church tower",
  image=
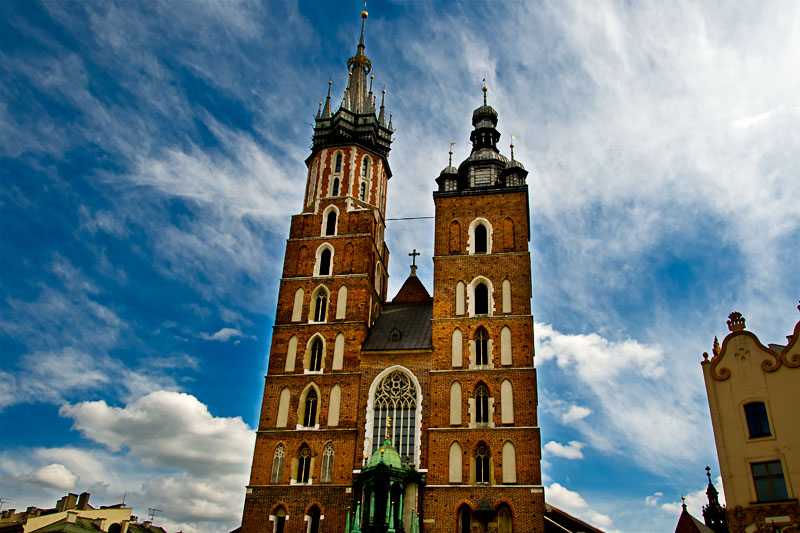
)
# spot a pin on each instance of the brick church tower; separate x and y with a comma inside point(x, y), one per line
point(411, 414)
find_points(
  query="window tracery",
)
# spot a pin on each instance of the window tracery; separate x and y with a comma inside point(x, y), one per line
point(395, 398)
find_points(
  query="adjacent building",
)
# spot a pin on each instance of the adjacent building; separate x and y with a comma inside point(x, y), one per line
point(754, 397)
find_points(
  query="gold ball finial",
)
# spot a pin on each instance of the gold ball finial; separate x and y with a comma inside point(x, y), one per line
point(372, 76)
point(485, 88)
point(364, 14)
point(384, 92)
point(330, 82)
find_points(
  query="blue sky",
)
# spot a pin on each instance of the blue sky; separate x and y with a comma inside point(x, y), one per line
point(152, 154)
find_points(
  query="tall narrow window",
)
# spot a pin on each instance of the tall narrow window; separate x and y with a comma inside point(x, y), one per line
point(465, 520)
point(481, 347)
point(504, 524)
point(769, 481)
point(480, 239)
point(396, 397)
point(454, 475)
point(362, 194)
point(330, 223)
point(313, 520)
point(481, 299)
point(315, 364)
point(304, 465)
point(482, 465)
point(280, 521)
point(364, 166)
point(481, 405)
point(335, 190)
point(325, 262)
point(757, 421)
point(338, 167)
point(321, 307)
point(327, 463)
point(310, 411)
point(277, 464)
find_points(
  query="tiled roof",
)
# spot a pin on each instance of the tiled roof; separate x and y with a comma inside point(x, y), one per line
point(412, 291)
point(402, 326)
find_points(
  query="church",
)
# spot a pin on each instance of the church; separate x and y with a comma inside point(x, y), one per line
point(409, 412)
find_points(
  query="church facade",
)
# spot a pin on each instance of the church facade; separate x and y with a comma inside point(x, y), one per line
point(415, 413)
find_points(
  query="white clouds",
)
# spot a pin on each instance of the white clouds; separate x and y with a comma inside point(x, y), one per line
point(164, 448)
point(572, 450)
point(572, 502)
point(652, 500)
point(575, 413)
point(638, 409)
point(223, 335)
point(695, 500)
point(53, 475)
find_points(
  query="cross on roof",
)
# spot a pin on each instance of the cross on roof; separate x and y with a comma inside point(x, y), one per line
point(414, 255)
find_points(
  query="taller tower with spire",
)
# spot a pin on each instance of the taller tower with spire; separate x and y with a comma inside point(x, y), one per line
point(332, 290)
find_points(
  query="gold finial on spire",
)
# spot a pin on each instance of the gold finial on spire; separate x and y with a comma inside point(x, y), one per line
point(450, 163)
point(485, 90)
point(512, 147)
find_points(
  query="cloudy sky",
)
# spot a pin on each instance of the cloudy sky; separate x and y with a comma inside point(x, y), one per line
point(152, 154)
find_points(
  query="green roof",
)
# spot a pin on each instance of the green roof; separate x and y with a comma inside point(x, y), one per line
point(387, 455)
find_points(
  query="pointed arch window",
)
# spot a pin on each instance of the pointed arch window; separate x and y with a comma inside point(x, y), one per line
point(304, 465)
point(325, 262)
point(482, 405)
point(321, 307)
point(338, 167)
point(310, 411)
point(465, 520)
point(481, 347)
point(335, 189)
point(277, 464)
point(327, 463)
point(330, 223)
point(480, 239)
point(481, 299)
point(482, 465)
point(280, 521)
point(364, 167)
point(362, 194)
point(315, 363)
point(395, 397)
point(314, 517)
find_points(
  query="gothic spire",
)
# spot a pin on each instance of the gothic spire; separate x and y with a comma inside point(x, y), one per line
point(359, 66)
point(326, 111)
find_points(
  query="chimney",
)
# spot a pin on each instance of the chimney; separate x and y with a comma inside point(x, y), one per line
point(61, 504)
point(72, 517)
point(72, 501)
point(83, 501)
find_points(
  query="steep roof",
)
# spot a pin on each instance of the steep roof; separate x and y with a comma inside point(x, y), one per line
point(689, 524)
point(412, 291)
point(402, 326)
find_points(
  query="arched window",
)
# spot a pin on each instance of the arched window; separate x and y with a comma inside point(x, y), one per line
point(457, 349)
point(482, 405)
point(757, 420)
point(481, 347)
point(297, 306)
point(395, 397)
point(310, 409)
point(480, 239)
point(506, 296)
point(505, 346)
point(507, 402)
point(283, 408)
point(277, 464)
point(114, 528)
point(291, 354)
point(508, 234)
point(460, 290)
point(455, 404)
point(465, 520)
point(482, 473)
point(364, 166)
point(338, 352)
point(338, 167)
point(455, 463)
point(334, 405)
point(335, 189)
point(509, 463)
point(330, 223)
point(362, 193)
point(455, 237)
point(327, 463)
point(313, 520)
point(504, 522)
point(315, 362)
point(319, 301)
point(280, 521)
point(325, 262)
point(304, 465)
point(481, 299)
point(341, 303)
